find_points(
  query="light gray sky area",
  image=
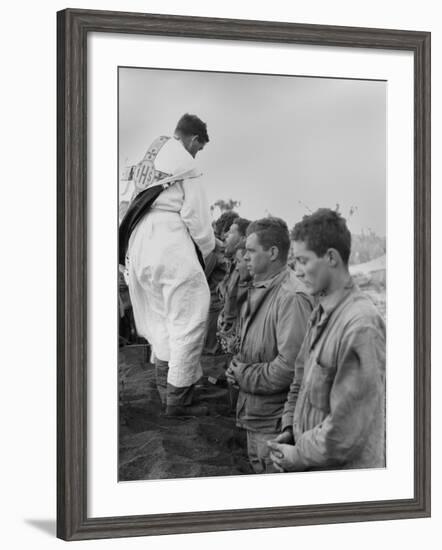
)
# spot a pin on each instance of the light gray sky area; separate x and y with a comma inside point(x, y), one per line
point(279, 144)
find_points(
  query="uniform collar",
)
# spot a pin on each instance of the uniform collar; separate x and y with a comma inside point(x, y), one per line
point(271, 281)
point(326, 306)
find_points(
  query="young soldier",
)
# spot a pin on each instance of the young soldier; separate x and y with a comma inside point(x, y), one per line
point(334, 416)
point(273, 322)
point(228, 288)
point(215, 272)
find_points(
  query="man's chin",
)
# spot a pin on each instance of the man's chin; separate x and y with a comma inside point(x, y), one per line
point(310, 289)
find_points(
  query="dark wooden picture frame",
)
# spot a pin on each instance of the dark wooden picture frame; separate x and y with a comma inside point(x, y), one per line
point(73, 27)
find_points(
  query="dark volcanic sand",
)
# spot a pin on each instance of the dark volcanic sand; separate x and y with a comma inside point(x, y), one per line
point(152, 446)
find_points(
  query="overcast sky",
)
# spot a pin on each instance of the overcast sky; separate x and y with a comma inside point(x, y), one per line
point(278, 144)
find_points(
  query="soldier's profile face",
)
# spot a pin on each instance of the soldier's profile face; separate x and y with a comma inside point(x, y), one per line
point(310, 268)
point(233, 237)
point(241, 265)
point(257, 258)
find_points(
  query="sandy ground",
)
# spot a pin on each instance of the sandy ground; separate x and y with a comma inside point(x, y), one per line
point(153, 446)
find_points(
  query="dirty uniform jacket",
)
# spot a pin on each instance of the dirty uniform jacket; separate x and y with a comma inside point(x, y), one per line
point(336, 403)
point(273, 322)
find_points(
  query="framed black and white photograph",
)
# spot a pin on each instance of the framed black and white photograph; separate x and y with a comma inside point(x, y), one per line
point(243, 274)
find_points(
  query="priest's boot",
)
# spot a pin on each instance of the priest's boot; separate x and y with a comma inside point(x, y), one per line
point(161, 370)
point(180, 402)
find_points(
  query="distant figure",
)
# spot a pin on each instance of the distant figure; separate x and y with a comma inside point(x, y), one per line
point(168, 288)
point(335, 412)
point(273, 322)
point(228, 288)
point(215, 272)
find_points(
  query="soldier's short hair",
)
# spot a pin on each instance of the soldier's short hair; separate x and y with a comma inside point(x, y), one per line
point(272, 231)
point(242, 225)
point(223, 223)
point(322, 230)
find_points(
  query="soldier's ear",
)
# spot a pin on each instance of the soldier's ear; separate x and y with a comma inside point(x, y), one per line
point(333, 256)
point(274, 253)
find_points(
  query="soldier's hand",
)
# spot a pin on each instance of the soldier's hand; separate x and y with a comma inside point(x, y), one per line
point(283, 456)
point(236, 363)
point(236, 369)
point(285, 437)
point(231, 380)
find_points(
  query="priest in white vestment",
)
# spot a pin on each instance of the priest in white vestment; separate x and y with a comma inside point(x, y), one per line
point(168, 289)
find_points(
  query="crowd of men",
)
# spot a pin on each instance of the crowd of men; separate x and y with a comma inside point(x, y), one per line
point(306, 347)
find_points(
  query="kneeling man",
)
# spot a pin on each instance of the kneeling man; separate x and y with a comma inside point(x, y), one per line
point(334, 417)
point(273, 321)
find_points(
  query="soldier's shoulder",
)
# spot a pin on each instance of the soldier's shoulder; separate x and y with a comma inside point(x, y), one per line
point(361, 310)
point(294, 290)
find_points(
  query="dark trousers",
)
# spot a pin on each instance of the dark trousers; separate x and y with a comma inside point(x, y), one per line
point(211, 344)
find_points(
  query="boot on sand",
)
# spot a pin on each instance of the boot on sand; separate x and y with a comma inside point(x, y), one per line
point(180, 402)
